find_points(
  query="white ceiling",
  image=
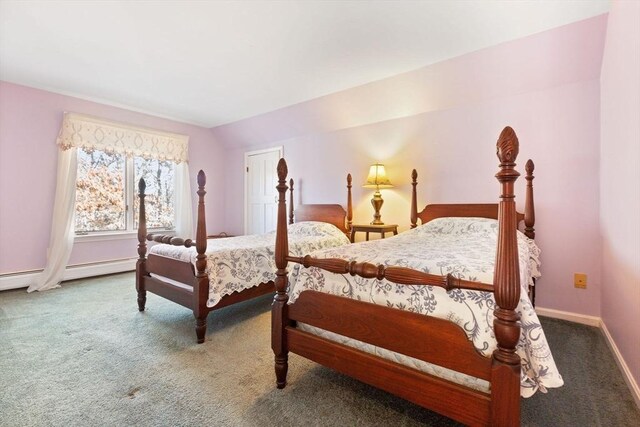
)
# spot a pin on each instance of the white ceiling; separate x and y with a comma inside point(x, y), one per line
point(210, 63)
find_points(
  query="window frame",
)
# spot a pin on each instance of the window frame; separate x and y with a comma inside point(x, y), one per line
point(131, 191)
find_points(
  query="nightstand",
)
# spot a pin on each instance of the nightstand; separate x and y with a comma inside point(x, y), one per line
point(370, 228)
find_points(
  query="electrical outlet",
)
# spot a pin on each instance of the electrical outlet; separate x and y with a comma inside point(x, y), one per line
point(580, 280)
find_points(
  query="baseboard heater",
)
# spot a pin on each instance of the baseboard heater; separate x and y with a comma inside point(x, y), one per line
point(79, 271)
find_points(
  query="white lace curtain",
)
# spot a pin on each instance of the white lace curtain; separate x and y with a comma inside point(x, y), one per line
point(91, 133)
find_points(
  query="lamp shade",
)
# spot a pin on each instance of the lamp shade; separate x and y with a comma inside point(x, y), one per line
point(377, 177)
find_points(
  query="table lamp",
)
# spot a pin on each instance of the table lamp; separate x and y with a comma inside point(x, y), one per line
point(377, 179)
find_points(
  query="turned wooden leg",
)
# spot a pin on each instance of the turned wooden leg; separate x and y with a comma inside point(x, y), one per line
point(282, 366)
point(201, 328)
point(142, 300)
point(140, 288)
point(279, 339)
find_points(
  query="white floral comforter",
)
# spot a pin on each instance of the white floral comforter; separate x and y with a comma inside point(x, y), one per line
point(464, 247)
point(242, 262)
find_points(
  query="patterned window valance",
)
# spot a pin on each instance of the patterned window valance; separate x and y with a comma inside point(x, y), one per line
point(91, 133)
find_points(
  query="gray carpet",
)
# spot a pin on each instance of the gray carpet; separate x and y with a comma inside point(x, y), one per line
point(83, 355)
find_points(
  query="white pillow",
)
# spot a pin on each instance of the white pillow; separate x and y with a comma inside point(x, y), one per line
point(460, 226)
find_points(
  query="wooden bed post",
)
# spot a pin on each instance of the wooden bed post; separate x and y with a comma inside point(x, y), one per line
point(349, 204)
point(530, 218)
point(142, 248)
point(505, 375)
point(201, 286)
point(279, 309)
point(291, 201)
point(529, 209)
point(414, 199)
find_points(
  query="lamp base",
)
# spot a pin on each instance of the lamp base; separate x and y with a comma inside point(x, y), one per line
point(377, 202)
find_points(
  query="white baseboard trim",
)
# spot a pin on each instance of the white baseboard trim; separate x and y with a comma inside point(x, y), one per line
point(626, 372)
point(571, 317)
point(598, 322)
point(72, 272)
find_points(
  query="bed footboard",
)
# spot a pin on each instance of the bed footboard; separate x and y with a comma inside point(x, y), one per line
point(194, 293)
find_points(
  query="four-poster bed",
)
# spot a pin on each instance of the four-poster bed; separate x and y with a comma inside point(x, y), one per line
point(323, 326)
point(227, 270)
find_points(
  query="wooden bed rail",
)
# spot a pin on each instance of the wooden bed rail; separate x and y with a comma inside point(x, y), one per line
point(170, 240)
point(401, 275)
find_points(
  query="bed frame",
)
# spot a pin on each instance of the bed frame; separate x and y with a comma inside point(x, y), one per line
point(423, 337)
point(189, 286)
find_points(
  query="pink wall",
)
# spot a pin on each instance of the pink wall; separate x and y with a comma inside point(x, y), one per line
point(29, 123)
point(444, 120)
point(620, 180)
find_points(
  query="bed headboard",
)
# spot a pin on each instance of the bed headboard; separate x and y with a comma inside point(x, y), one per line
point(481, 210)
point(331, 213)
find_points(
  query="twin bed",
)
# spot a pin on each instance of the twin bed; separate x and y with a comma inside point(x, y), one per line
point(208, 275)
point(441, 315)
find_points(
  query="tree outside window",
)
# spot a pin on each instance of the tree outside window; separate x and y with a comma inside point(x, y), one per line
point(106, 186)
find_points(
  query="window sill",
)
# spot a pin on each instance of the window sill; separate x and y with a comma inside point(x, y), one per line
point(123, 235)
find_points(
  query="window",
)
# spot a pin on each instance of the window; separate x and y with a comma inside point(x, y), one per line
point(96, 188)
point(107, 186)
point(159, 202)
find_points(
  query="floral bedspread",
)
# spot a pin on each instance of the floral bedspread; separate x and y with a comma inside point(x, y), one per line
point(464, 247)
point(242, 262)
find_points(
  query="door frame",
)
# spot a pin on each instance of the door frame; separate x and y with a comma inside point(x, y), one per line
point(280, 150)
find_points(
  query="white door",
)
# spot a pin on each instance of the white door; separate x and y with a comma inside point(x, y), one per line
point(261, 179)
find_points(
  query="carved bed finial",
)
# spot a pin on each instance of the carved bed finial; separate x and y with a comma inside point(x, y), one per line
point(349, 179)
point(282, 170)
point(414, 176)
point(529, 167)
point(202, 178)
point(142, 186)
point(507, 147)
